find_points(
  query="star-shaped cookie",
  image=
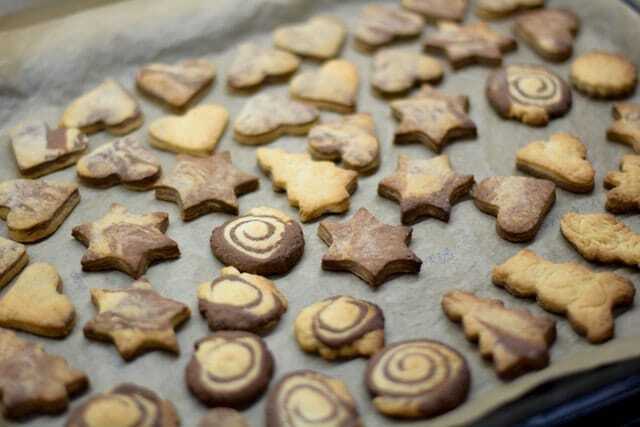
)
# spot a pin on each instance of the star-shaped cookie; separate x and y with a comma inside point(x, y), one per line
point(200, 185)
point(124, 241)
point(136, 319)
point(432, 118)
point(626, 124)
point(425, 187)
point(368, 248)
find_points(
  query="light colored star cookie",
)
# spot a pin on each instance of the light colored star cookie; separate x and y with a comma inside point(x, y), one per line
point(320, 38)
point(438, 10)
point(625, 127)
point(395, 71)
point(600, 74)
point(494, 9)
point(380, 24)
point(334, 86)
point(254, 65)
point(13, 258)
point(624, 196)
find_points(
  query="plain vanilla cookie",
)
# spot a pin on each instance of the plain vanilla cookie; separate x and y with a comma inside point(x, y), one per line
point(602, 74)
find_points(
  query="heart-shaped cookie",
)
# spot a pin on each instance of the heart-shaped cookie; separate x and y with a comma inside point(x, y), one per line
point(254, 64)
point(321, 37)
point(333, 87)
point(196, 133)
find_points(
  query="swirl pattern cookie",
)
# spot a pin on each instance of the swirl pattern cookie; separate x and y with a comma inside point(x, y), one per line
point(321, 37)
point(395, 71)
point(230, 368)
point(241, 301)
point(125, 405)
point(13, 258)
point(342, 327)
point(379, 24)
point(417, 379)
point(307, 398)
point(264, 241)
point(529, 93)
point(254, 65)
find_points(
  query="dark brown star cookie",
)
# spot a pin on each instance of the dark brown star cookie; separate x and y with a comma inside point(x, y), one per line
point(230, 368)
point(127, 242)
point(200, 185)
point(124, 405)
point(32, 381)
point(380, 24)
point(425, 187)
point(438, 10)
point(475, 43)
point(519, 203)
point(13, 258)
point(372, 250)
point(550, 32)
point(136, 319)
point(432, 118)
point(626, 124)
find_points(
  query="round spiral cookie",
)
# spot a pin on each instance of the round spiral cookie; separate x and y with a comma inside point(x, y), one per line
point(341, 326)
point(127, 405)
point(230, 368)
point(417, 379)
point(529, 93)
point(264, 241)
point(307, 398)
point(241, 301)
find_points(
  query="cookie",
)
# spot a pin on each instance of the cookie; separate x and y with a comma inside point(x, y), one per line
point(586, 297)
point(370, 249)
point(109, 106)
point(469, 44)
point(124, 405)
point(529, 93)
point(516, 340)
point(494, 9)
point(561, 159)
point(624, 196)
point(306, 398)
point(351, 139)
point(126, 242)
point(241, 301)
point(254, 65)
point(425, 188)
point(35, 303)
point(340, 327)
point(395, 71)
point(176, 84)
point(123, 161)
point(33, 381)
point(601, 237)
point(549, 32)
point(380, 24)
point(334, 86)
point(40, 150)
point(200, 185)
point(518, 203)
point(315, 187)
point(263, 241)
point(625, 127)
point(268, 116)
point(35, 209)
point(438, 10)
point(600, 74)
point(321, 37)
point(223, 417)
point(136, 319)
point(13, 258)
point(432, 118)
point(230, 368)
point(196, 133)
point(417, 379)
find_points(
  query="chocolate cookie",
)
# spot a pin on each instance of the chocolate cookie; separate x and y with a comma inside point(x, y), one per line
point(241, 301)
point(626, 124)
point(264, 241)
point(340, 327)
point(230, 368)
point(624, 196)
point(380, 24)
point(549, 32)
point(395, 71)
point(13, 258)
point(223, 417)
point(417, 379)
point(254, 65)
point(333, 87)
point(438, 10)
point(531, 94)
point(320, 38)
point(600, 74)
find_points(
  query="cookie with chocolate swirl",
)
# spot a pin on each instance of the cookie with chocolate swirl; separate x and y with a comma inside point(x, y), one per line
point(125, 405)
point(230, 368)
point(264, 241)
point(241, 301)
point(417, 379)
point(307, 398)
point(341, 326)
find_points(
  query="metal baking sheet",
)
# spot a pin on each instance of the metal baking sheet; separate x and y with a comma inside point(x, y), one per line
point(45, 62)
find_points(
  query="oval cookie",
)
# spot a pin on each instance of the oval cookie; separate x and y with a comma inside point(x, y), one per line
point(602, 74)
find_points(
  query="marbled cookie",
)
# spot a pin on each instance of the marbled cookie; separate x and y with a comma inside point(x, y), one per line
point(395, 71)
point(600, 74)
point(254, 65)
point(321, 37)
point(334, 86)
point(13, 258)
point(625, 127)
point(493, 9)
point(380, 24)
point(438, 10)
point(549, 32)
point(624, 186)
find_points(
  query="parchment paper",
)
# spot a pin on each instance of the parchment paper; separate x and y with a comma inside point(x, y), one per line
point(46, 63)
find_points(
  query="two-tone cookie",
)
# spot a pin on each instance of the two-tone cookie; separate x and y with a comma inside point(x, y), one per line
point(550, 32)
point(254, 65)
point(380, 24)
point(334, 86)
point(13, 259)
point(601, 74)
point(396, 71)
point(320, 38)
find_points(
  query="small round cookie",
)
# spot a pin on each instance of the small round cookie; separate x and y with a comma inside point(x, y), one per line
point(604, 75)
point(241, 301)
point(264, 241)
point(341, 326)
point(230, 368)
point(223, 417)
point(417, 379)
point(307, 399)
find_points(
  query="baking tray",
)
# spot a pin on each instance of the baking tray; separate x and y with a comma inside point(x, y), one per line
point(45, 62)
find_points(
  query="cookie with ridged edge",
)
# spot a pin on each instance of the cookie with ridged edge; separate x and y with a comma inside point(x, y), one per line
point(13, 258)
point(601, 74)
point(380, 24)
